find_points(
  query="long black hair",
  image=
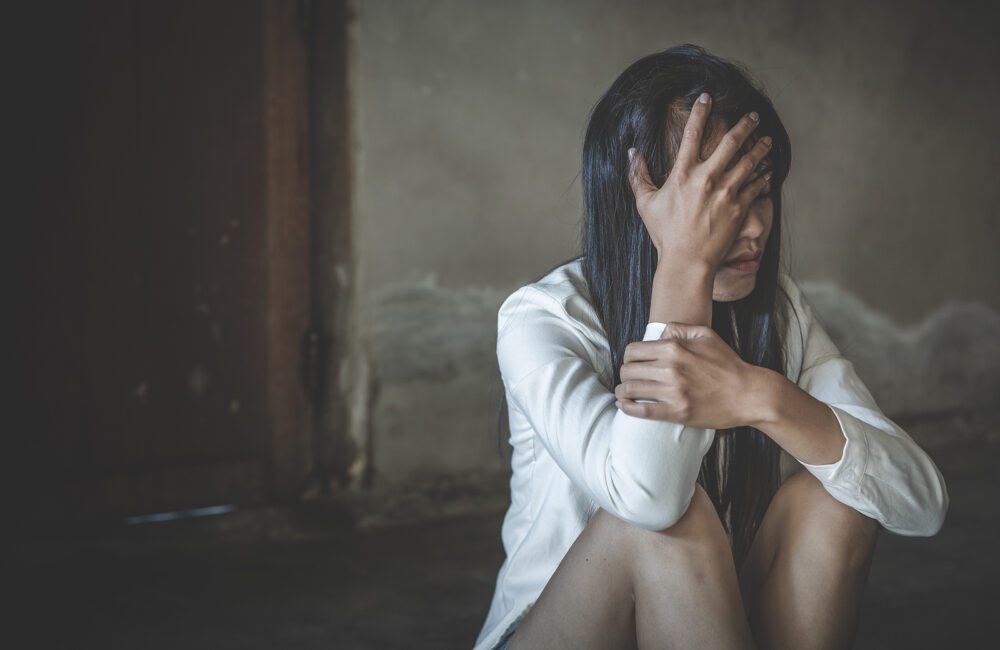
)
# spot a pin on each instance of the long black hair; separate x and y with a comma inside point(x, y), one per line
point(646, 107)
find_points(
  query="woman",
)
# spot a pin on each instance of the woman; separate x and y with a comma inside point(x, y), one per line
point(655, 497)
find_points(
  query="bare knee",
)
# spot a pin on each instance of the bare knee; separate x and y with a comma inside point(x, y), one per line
point(698, 532)
point(823, 526)
point(853, 543)
point(700, 520)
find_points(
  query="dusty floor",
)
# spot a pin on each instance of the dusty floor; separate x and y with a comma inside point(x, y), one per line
point(428, 585)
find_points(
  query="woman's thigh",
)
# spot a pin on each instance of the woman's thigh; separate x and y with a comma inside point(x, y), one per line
point(588, 601)
point(682, 577)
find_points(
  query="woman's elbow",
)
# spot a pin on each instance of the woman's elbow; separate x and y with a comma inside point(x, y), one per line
point(938, 513)
point(938, 507)
point(928, 518)
point(658, 514)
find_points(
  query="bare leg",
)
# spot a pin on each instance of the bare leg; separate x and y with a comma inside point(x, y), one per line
point(620, 586)
point(806, 570)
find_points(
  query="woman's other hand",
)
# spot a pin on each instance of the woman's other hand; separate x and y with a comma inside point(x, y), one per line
point(695, 216)
point(692, 377)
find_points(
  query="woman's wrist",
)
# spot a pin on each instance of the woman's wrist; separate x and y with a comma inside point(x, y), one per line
point(681, 266)
point(764, 397)
point(799, 423)
point(682, 293)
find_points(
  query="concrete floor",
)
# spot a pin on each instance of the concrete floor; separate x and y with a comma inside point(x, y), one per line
point(428, 585)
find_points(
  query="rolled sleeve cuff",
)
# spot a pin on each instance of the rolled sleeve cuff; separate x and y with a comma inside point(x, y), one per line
point(847, 472)
point(653, 331)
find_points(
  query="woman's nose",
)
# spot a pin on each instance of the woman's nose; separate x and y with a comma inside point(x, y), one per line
point(754, 224)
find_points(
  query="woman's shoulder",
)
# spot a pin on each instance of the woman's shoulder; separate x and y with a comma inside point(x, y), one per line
point(549, 319)
point(562, 282)
point(560, 294)
point(555, 310)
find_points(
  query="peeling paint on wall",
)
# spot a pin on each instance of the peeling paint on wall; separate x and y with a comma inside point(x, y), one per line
point(425, 331)
point(434, 362)
point(438, 385)
point(948, 361)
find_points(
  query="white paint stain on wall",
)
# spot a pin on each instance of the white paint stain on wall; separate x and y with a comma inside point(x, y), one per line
point(950, 360)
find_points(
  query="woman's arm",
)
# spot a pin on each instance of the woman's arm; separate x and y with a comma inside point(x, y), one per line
point(642, 471)
point(681, 293)
point(829, 414)
point(881, 471)
point(802, 425)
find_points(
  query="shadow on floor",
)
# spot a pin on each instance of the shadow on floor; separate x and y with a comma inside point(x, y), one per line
point(429, 585)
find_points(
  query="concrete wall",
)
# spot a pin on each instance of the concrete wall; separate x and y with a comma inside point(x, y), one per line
point(469, 121)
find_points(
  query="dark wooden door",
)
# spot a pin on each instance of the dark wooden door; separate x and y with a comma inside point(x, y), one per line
point(174, 292)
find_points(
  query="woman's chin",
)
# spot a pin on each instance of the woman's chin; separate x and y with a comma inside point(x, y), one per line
point(733, 286)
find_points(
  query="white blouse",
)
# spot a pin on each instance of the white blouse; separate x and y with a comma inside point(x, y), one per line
point(574, 451)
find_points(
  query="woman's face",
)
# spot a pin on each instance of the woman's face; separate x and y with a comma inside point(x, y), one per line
point(732, 283)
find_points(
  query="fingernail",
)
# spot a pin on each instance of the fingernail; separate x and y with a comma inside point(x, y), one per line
point(767, 140)
point(631, 153)
point(618, 403)
point(703, 98)
point(754, 116)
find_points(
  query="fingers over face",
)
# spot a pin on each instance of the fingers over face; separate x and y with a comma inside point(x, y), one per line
point(750, 191)
point(689, 153)
point(762, 167)
point(730, 143)
point(745, 166)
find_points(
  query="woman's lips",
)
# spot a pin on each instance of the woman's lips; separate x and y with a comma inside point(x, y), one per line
point(748, 266)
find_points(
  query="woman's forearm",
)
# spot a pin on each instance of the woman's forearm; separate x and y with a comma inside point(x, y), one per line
point(799, 423)
point(682, 293)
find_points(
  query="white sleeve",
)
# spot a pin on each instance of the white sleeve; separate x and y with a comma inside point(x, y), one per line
point(882, 472)
point(641, 470)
